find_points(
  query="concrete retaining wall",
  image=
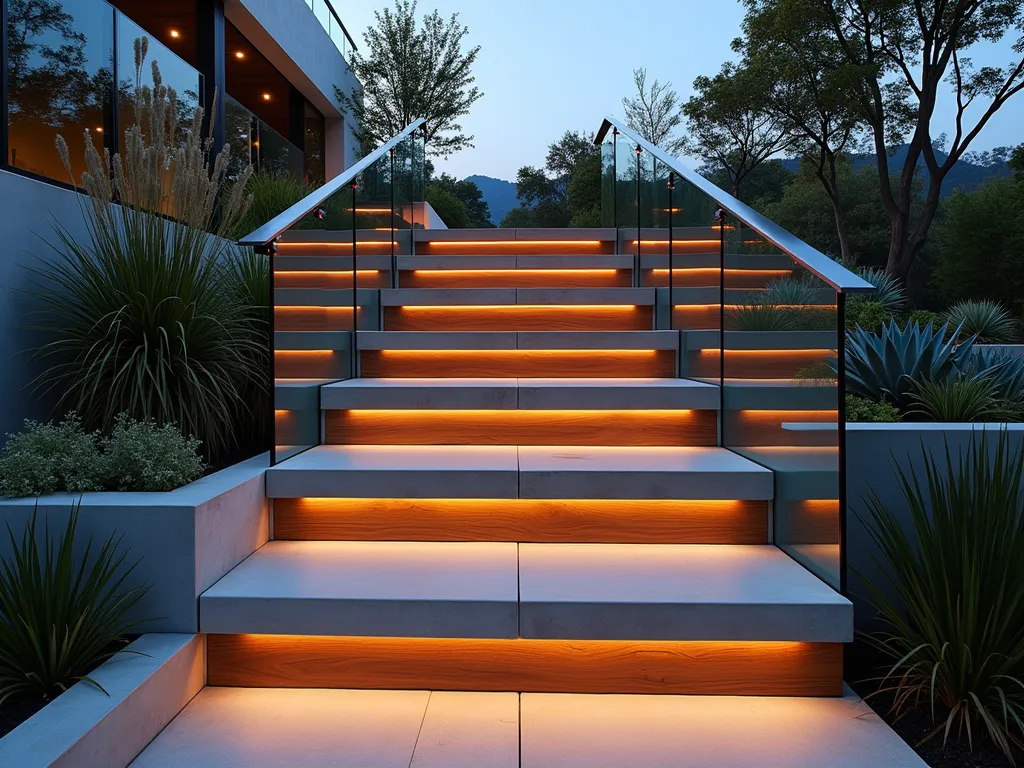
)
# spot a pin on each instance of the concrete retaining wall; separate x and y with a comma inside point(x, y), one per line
point(183, 540)
point(872, 452)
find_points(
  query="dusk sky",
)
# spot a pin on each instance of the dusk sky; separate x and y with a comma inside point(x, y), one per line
point(546, 66)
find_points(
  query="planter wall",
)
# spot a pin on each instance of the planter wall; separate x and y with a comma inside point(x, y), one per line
point(183, 540)
point(871, 452)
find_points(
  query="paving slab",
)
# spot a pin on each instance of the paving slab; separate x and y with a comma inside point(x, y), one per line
point(675, 592)
point(375, 589)
point(469, 730)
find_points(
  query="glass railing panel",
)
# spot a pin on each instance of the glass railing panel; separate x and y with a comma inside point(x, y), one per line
point(608, 181)
point(277, 155)
point(780, 391)
point(59, 83)
point(626, 191)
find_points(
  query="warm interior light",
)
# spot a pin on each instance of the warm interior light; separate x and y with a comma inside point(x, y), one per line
point(779, 668)
point(239, 55)
point(175, 34)
point(369, 211)
point(266, 97)
point(511, 307)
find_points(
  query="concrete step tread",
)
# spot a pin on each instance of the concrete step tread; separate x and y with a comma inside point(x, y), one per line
point(455, 297)
point(259, 728)
point(527, 394)
point(542, 591)
point(503, 262)
point(538, 472)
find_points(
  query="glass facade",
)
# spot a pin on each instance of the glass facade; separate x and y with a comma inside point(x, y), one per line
point(64, 56)
point(327, 15)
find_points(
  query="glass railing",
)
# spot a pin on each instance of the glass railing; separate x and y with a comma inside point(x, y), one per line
point(330, 253)
point(760, 313)
point(331, 22)
point(254, 142)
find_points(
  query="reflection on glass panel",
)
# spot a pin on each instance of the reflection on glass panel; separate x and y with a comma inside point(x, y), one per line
point(239, 135)
point(608, 218)
point(315, 168)
point(255, 142)
point(626, 187)
point(59, 82)
point(781, 394)
point(276, 154)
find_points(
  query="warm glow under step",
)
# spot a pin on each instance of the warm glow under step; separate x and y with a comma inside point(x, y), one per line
point(517, 363)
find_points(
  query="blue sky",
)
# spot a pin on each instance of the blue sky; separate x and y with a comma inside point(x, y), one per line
point(550, 65)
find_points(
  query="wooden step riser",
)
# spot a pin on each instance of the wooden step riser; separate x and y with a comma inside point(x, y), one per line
point(313, 318)
point(755, 364)
point(535, 666)
point(332, 280)
point(518, 248)
point(513, 318)
point(735, 279)
point(515, 278)
point(518, 364)
point(764, 428)
point(406, 427)
point(524, 520)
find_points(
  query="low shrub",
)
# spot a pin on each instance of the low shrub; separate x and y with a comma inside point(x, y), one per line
point(924, 317)
point(864, 410)
point(956, 399)
point(951, 592)
point(866, 313)
point(141, 456)
point(990, 321)
point(61, 615)
point(794, 291)
point(757, 316)
point(51, 458)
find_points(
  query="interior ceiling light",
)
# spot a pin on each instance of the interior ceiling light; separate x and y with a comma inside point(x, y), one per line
point(239, 55)
point(266, 97)
point(175, 34)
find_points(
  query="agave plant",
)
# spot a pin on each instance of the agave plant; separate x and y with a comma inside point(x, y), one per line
point(60, 615)
point(952, 592)
point(885, 366)
point(889, 291)
point(139, 311)
point(1000, 365)
point(989, 321)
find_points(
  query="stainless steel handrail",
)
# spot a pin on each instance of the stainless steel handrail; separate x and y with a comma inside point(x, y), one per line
point(826, 269)
point(337, 18)
point(284, 221)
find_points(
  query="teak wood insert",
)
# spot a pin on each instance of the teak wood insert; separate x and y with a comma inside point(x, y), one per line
point(557, 317)
point(523, 520)
point(539, 666)
point(522, 427)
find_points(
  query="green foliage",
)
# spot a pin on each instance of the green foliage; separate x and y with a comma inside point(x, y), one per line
point(272, 193)
point(889, 291)
point(982, 253)
point(51, 458)
point(884, 367)
point(477, 211)
point(758, 316)
point(794, 292)
point(956, 399)
point(566, 192)
point(409, 73)
point(957, 646)
point(141, 456)
point(451, 210)
point(60, 614)
point(990, 321)
point(864, 410)
point(655, 113)
point(866, 313)
point(923, 317)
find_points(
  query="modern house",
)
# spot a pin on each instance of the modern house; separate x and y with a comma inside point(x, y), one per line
point(265, 70)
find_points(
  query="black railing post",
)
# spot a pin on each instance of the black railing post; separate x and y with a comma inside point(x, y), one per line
point(720, 219)
point(270, 251)
point(394, 260)
point(671, 275)
point(615, 187)
point(354, 358)
point(841, 430)
point(636, 258)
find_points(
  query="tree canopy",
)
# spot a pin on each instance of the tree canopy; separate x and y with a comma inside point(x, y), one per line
point(655, 112)
point(410, 73)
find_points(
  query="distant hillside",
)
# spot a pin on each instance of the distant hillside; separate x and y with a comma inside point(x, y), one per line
point(965, 174)
point(499, 194)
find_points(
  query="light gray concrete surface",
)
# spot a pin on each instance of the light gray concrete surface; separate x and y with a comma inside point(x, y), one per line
point(30, 209)
point(589, 472)
point(377, 589)
point(182, 541)
point(616, 394)
point(421, 394)
point(598, 340)
point(437, 340)
point(872, 454)
point(570, 296)
point(386, 471)
point(259, 728)
point(569, 731)
point(444, 297)
point(675, 592)
point(86, 727)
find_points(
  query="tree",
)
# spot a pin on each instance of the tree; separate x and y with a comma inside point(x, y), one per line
point(729, 125)
point(478, 212)
point(451, 210)
point(765, 184)
point(411, 73)
point(655, 113)
point(566, 192)
point(892, 57)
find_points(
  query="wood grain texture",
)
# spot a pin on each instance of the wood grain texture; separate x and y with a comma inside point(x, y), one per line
point(522, 427)
point(523, 520)
point(809, 521)
point(321, 364)
point(521, 363)
point(757, 427)
point(322, 279)
point(537, 666)
point(520, 248)
point(735, 279)
point(313, 318)
point(696, 317)
point(512, 318)
point(515, 278)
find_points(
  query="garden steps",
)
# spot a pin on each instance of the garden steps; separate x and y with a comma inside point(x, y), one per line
point(260, 728)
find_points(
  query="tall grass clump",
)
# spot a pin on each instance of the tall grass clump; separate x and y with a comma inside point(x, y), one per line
point(951, 592)
point(141, 310)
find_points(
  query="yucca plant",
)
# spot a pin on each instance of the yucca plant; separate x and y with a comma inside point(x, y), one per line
point(139, 310)
point(885, 366)
point(60, 615)
point(990, 321)
point(958, 398)
point(951, 592)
